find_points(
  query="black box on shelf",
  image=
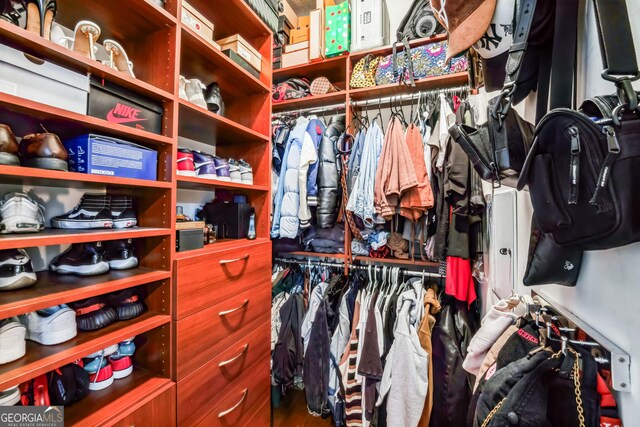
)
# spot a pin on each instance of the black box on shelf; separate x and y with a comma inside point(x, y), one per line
point(241, 62)
point(187, 240)
point(118, 105)
point(232, 219)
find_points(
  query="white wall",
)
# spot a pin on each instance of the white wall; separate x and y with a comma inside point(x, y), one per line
point(607, 295)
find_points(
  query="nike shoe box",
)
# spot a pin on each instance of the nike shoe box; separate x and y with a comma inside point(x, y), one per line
point(121, 106)
point(104, 155)
point(37, 80)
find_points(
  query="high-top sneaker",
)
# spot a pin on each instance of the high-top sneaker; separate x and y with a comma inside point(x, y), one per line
point(16, 270)
point(122, 212)
point(100, 372)
point(234, 171)
point(204, 164)
point(119, 254)
point(246, 172)
point(186, 165)
point(93, 211)
point(83, 259)
point(223, 172)
point(19, 213)
point(120, 361)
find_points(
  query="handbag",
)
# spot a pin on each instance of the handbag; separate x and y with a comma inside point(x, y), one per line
point(290, 89)
point(419, 22)
point(364, 72)
point(583, 165)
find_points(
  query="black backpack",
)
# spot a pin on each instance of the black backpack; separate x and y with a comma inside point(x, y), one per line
point(419, 22)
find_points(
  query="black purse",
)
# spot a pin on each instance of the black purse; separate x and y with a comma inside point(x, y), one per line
point(583, 165)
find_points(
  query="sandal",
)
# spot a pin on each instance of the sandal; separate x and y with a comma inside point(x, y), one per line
point(118, 57)
point(86, 35)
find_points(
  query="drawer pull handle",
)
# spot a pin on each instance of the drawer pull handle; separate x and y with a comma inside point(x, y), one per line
point(233, 310)
point(230, 410)
point(229, 261)
point(233, 359)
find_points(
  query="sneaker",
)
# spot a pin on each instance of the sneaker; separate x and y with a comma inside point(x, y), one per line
point(16, 270)
point(100, 373)
point(186, 165)
point(234, 171)
point(10, 396)
point(246, 172)
point(182, 93)
point(67, 384)
point(12, 340)
point(194, 90)
point(122, 212)
point(35, 392)
point(113, 348)
point(127, 304)
point(119, 254)
point(223, 172)
point(93, 211)
point(120, 361)
point(83, 259)
point(213, 98)
point(93, 313)
point(53, 325)
point(19, 213)
point(204, 165)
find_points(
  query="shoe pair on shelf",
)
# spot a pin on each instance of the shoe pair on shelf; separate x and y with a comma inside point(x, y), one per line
point(20, 213)
point(207, 97)
point(113, 362)
point(99, 211)
point(92, 259)
point(37, 150)
point(36, 16)
point(203, 165)
point(102, 310)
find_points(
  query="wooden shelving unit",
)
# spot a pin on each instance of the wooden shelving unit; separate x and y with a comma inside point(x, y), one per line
point(161, 48)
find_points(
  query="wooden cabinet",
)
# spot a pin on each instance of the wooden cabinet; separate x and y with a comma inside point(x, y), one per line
point(158, 412)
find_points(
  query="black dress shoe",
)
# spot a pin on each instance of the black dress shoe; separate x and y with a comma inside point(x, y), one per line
point(213, 98)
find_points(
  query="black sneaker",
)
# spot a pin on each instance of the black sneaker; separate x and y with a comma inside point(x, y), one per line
point(127, 304)
point(93, 211)
point(16, 270)
point(119, 254)
point(83, 259)
point(93, 313)
point(122, 212)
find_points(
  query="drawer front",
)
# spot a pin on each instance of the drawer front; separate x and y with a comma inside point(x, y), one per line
point(204, 335)
point(158, 412)
point(207, 386)
point(239, 406)
point(262, 416)
point(206, 280)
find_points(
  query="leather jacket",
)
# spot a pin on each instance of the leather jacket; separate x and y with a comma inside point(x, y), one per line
point(452, 392)
point(329, 189)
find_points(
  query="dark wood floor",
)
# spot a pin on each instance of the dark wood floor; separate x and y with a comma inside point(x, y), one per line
point(293, 413)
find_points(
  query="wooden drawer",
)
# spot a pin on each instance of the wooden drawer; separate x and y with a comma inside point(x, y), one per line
point(208, 279)
point(239, 406)
point(262, 416)
point(204, 335)
point(158, 412)
point(203, 389)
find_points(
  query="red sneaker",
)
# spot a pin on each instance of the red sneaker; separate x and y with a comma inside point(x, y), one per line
point(186, 165)
point(122, 366)
point(100, 373)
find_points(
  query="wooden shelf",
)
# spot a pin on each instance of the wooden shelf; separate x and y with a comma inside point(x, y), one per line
point(195, 183)
point(54, 289)
point(41, 358)
point(25, 117)
point(204, 126)
point(22, 175)
point(311, 101)
point(220, 245)
point(311, 255)
point(104, 407)
point(235, 17)
point(45, 49)
point(311, 68)
point(436, 82)
point(196, 50)
point(395, 261)
point(388, 50)
point(54, 236)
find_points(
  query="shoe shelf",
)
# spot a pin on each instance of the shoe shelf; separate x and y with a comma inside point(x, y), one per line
point(108, 406)
point(54, 289)
point(202, 125)
point(41, 359)
point(393, 89)
point(53, 236)
point(339, 97)
point(195, 183)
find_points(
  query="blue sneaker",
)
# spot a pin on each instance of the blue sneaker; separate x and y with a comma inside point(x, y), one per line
point(223, 171)
point(204, 164)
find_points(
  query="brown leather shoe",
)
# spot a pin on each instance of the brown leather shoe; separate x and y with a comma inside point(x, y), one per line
point(44, 151)
point(8, 147)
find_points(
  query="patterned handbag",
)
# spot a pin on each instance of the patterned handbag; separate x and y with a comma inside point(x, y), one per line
point(427, 61)
point(364, 72)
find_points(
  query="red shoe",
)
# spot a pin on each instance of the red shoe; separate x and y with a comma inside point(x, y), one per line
point(122, 366)
point(186, 165)
point(100, 373)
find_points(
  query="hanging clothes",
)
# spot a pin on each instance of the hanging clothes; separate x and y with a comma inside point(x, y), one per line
point(431, 309)
point(352, 387)
point(415, 202)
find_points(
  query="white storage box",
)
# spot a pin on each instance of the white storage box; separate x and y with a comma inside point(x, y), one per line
point(369, 24)
point(41, 81)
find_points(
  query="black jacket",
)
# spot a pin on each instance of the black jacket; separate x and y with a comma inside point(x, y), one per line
point(329, 189)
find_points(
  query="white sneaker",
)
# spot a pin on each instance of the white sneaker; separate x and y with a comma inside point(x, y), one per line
point(10, 396)
point(194, 89)
point(53, 325)
point(12, 340)
point(16, 270)
point(19, 213)
point(182, 88)
point(246, 172)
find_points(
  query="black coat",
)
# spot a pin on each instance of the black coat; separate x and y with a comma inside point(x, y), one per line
point(329, 189)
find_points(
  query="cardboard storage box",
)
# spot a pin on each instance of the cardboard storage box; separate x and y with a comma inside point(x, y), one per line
point(41, 81)
point(295, 47)
point(117, 105)
point(292, 59)
point(103, 155)
point(197, 22)
point(241, 62)
point(244, 49)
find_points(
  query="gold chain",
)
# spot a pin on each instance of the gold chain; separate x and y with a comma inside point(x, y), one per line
point(493, 413)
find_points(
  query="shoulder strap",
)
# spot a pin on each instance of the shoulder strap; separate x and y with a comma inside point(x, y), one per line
point(519, 46)
point(563, 62)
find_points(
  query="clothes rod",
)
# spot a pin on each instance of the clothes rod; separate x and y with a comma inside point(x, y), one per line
point(375, 268)
point(410, 96)
point(311, 110)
